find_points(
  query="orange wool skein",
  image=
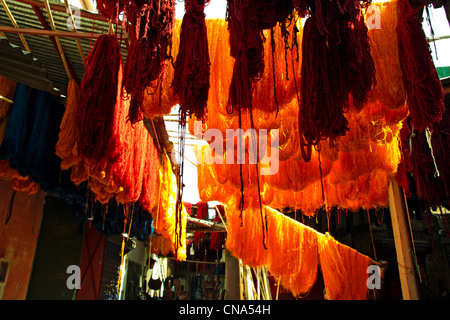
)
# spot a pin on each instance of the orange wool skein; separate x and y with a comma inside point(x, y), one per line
point(66, 147)
point(164, 213)
point(343, 270)
point(160, 99)
point(241, 228)
point(389, 88)
point(18, 182)
point(292, 252)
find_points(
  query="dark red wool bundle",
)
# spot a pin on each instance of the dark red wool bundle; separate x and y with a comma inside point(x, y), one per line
point(98, 97)
point(423, 86)
point(361, 67)
point(246, 21)
point(336, 64)
point(192, 66)
point(246, 43)
point(301, 7)
point(271, 12)
point(426, 159)
point(149, 49)
point(110, 8)
point(430, 179)
point(323, 89)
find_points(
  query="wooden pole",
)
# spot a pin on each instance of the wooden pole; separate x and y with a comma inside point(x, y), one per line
point(403, 242)
point(50, 33)
point(62, 8)
point(58, 43)
point(70, 16)
point(13, 21)
point(232, 277)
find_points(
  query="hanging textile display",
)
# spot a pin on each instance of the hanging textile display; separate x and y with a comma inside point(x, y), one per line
point(160, 99)
point(29, 143)
point(109, 219)
point(340, 266)
point(425, 157)
point(192, 65)
point(202, 214)
point(152, 24)
point(110, 9)
point(247, 19)
point(98, 97)
point(389, 88)
point(129, 173)
point(218, 238)
point(422, 84)
point(337, 62)
point(246, 46)
point(294, 253)
point(167, 229)
point(66, 147)
point(18, 182)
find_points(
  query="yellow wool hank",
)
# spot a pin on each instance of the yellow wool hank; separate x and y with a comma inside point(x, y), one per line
point(344, 270)
point(389, 88)
point(294, 253)
point(66, 147)
point(164, 215)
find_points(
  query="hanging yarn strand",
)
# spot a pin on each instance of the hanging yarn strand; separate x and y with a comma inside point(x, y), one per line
point(423, 87)
point(322, 90)
point(98, 97)
point(337, 64)
point(247, 48)
point(152, 24)
point(192, 66)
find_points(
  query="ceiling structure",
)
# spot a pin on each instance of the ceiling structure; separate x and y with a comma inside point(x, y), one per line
point(48, 41)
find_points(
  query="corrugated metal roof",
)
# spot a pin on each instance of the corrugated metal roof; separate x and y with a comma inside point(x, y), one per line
point(42, 48)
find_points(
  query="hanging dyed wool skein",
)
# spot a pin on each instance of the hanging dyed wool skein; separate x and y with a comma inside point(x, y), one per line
point(98, 97)
point(322, 88)
point(336, 63)
point(361, 66)
point(192, 67)
point(153, 27)
point(110, 8)
point(423, 86)
point(247, 48)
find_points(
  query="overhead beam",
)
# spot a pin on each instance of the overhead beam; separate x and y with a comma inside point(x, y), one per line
point(62, 8)
point(87, 5)
point(16, 26)
point(70, 16)
point(204, 225)
point(41, 32)
point(58, 48)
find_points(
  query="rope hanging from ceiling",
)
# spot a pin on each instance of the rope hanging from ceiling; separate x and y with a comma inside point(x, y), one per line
point(336, 62)
point(422, 84)
point(152, 24)
point(192, 65)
